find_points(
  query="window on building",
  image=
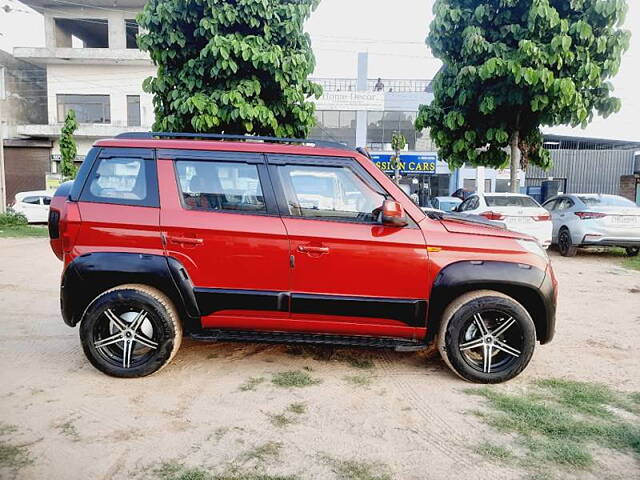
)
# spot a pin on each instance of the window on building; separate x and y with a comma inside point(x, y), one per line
point(132, 29)
point(382, 125)
point(335, 126)
point(133, 110)
point(88, 108)
point(88, 32)
point(335, 193)
point(220, 186)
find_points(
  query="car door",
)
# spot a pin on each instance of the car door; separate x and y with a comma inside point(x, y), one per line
point(550, 206)
point(30, 207)
point(561, 214)
point(350, 274)
point(219, 219)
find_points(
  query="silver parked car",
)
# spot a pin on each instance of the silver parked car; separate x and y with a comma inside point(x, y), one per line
point(584, 220)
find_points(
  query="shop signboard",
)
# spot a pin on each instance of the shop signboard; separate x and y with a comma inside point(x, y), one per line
point(417, 163)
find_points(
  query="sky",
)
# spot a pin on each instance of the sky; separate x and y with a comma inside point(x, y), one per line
point(393, 33)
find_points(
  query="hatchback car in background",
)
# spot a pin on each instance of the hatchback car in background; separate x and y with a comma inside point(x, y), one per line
point(33, 205)
point(517, 212)
point(592, 220)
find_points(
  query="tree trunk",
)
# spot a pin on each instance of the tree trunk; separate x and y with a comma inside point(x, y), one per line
point(396, 174)
point(515, 162)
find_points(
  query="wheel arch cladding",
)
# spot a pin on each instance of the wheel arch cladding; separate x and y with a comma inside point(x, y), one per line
point(89, 275)
point(528, 285)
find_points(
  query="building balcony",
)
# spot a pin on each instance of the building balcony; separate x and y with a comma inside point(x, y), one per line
point(85, 130)
point(95, 56)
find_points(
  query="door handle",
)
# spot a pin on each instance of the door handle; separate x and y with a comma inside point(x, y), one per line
point(311, 249)
point(185, 240)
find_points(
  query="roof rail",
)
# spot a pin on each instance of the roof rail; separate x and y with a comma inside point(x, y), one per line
point(224, 136)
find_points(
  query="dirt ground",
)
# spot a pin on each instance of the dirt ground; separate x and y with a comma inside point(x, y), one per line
point(408, 415)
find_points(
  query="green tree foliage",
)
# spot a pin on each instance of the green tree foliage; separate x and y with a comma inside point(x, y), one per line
point(68, 148)
point(511, 66)
point(398, 142)
point(235, 67)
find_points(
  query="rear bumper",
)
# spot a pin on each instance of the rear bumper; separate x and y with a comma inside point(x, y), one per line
point(604, 241)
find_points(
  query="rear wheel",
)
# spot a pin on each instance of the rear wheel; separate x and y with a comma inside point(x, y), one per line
point(565, 244)
point(486, 337)
point(632, 251)
point(130, 331)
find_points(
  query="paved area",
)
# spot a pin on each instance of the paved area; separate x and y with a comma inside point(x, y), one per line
point(407, 412)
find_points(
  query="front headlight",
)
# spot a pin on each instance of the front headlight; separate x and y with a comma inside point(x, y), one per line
point(534, 247)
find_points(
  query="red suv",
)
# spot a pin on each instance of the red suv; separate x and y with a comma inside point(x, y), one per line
point(230, 238)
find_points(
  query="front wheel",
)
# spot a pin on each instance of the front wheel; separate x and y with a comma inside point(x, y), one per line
point(486, 337)
point(632, 251)
point(130, 331)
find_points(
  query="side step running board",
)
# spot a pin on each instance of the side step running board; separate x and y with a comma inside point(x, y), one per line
point(215, 335)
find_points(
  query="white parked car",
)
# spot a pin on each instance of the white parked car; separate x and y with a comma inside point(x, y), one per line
point(518, 212)
point(33, 205)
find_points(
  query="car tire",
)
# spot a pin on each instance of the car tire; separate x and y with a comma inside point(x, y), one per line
point(130, 331)
point(632, 251)
point(565, 244)
point(464, 347)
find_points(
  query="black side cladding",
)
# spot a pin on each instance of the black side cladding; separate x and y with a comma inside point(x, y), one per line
point(91, 274)
point(528, 285)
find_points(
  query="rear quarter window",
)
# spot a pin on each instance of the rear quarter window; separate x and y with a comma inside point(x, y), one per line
point(125, 180)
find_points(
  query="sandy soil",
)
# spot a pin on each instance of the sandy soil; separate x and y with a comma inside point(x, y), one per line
point(413, 417)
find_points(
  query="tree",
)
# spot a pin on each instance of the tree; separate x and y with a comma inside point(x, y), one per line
point(511, 66)
point(234, 67)
point(68, 148)
point(398, 142)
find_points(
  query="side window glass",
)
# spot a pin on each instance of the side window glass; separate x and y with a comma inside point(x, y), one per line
point(331, 192)
point(211, 185)
point(564, 204)
point(119, 179)
point(31, 200)
point(46, 200)
point(464, 206)
point(550, 206)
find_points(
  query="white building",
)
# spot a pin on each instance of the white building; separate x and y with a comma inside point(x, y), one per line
point(93, 67)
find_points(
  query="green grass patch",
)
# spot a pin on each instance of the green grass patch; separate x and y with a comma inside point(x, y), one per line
point(357, 470)
point(294, 379)
point(23, 231)
point(251, 384)
point(493, 452)
point(358, 380)
point(263, 452)
point(13, 457)
point(559, 422)
point(173, 470)
point(69, 430)
point(628, 262)
point(298, 408)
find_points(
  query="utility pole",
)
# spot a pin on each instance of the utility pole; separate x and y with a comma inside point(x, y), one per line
point(3, 185)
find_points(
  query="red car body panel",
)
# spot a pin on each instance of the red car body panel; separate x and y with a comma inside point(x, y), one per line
point(272, 253)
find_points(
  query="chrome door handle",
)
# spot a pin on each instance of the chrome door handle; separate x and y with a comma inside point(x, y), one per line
point(311, 249)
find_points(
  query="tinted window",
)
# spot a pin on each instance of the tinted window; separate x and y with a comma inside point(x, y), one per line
point(46, 200)
point(508, 201)
point(119, 178)
point(334, 192)
point(209, 185)
point(550, 205)
point(31, 200)
point(607, 201)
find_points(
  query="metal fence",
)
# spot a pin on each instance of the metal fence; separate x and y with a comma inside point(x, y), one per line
point(389, 84)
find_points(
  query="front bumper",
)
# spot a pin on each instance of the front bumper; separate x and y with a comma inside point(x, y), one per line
point(549, 293)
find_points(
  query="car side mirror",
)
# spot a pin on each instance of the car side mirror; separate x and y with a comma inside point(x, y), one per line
point(392, 214)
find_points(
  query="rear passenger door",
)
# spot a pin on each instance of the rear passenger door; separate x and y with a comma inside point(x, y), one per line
point(350, 274)
point(119, 204)
point(220, 220)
